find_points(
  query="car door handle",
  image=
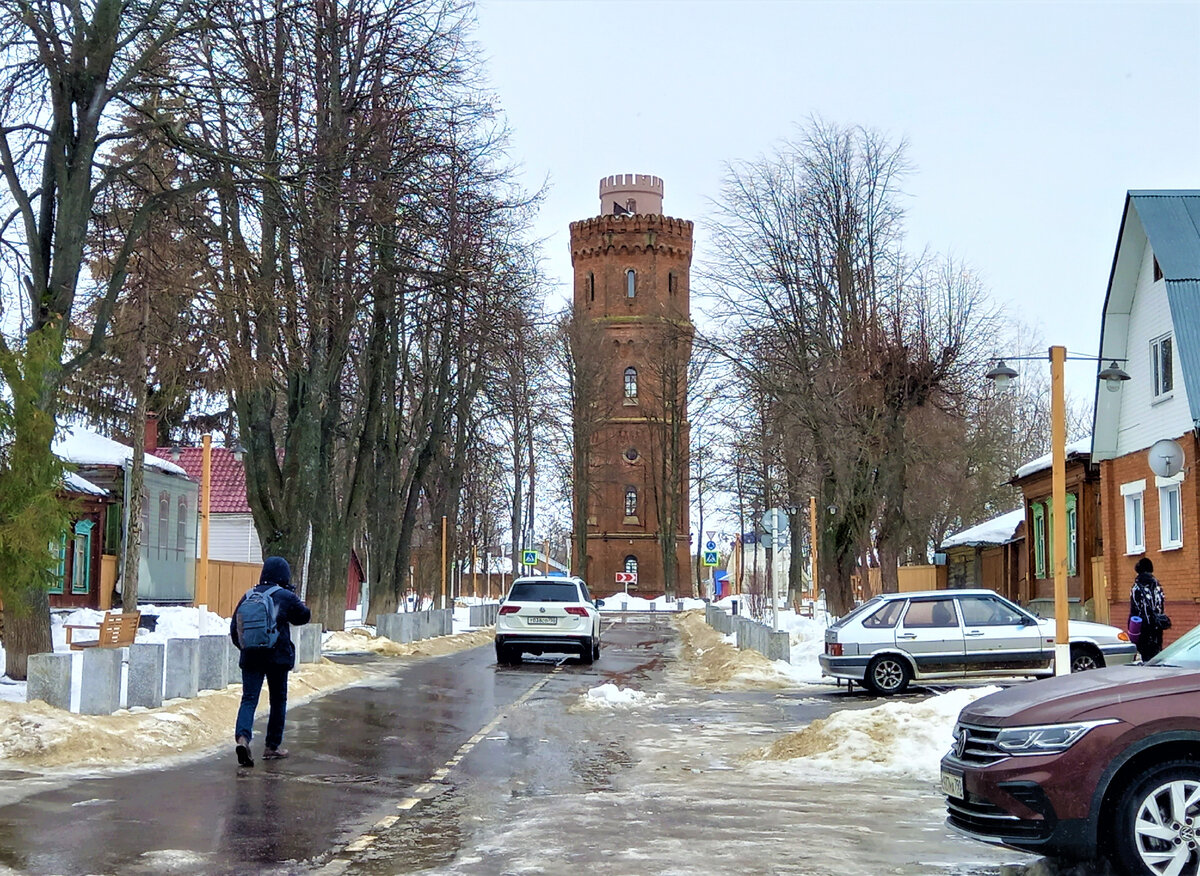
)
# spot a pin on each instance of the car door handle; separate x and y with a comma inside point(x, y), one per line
point(906, 636)
point(975, 633)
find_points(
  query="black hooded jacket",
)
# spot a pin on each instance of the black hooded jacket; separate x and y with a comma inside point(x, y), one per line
point(290, 611)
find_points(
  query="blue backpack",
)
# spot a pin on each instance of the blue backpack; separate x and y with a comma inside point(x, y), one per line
point(256, 624)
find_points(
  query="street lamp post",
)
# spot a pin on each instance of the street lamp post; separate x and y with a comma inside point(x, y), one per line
point(1113, 377)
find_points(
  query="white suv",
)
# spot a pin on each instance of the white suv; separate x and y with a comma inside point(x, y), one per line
point(546, 614)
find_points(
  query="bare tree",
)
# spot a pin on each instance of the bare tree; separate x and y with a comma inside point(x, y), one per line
point(68, 67)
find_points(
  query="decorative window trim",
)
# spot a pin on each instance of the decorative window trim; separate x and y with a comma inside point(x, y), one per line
point(631, 385)
point(1165, 515)
point(1039, 540)
point(58, 552)
point(1072, 535)
point(81, 578)
point(1135, 516)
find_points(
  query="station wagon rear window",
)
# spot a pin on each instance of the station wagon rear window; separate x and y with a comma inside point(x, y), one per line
point(544, 592)
point(867, 608)
point(886, 617)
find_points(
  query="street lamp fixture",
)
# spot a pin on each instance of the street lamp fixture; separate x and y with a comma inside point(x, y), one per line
point(238, 451)
point(1002, 375)
point(1113, 376)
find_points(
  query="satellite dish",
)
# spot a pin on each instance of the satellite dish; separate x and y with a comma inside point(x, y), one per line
point(1166, 458)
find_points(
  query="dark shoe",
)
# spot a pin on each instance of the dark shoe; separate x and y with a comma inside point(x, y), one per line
point(243, 752)
point(275, 753)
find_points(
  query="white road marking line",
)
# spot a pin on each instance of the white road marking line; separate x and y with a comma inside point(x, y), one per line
point(423, 790)
point(385, 822)
point(408, 803)
point(361, 843)
point(439, 775)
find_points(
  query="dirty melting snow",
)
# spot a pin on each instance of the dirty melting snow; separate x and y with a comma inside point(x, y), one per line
point(895, 739)
point(608, 696)
point(713, 662)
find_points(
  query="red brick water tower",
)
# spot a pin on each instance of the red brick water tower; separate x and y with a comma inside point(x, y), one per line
point(632, 287)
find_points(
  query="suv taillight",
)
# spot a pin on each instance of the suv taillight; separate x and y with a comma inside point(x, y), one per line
point(833, 649)
point(577, 610)
point(509, 609)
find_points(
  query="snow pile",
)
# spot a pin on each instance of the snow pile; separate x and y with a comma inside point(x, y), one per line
point(713, 662)
point(896, 738)
point(621, 601)
point(361, 639)
point(35, 733)
point(611, 696)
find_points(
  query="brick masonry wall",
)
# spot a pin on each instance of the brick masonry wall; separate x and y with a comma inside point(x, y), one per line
point(1177, 570)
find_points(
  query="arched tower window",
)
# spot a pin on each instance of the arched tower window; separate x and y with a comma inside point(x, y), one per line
point(630, 383)
point(631, 564)
point(631, 501)
point(630, 283)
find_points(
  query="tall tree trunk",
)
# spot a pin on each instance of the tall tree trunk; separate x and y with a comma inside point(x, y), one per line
point(131, 564)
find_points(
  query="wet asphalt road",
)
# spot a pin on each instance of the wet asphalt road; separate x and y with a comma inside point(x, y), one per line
point(455, 765)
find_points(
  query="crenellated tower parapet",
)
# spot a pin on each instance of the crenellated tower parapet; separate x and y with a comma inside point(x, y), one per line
point(629, 193)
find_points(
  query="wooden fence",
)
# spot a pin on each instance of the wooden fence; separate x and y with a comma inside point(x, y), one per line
point(227, 582)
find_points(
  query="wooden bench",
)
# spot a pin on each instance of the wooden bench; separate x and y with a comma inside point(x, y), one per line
point(117, 630)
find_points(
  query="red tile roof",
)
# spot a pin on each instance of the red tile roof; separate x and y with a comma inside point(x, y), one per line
point(227, 492)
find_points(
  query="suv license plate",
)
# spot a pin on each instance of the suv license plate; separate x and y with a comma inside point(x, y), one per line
point(538, 619)
point(952, 785)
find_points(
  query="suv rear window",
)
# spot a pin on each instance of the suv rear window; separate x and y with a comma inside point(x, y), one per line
point(538, 591)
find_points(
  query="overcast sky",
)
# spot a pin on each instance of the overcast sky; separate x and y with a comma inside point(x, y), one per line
point(1026, 122)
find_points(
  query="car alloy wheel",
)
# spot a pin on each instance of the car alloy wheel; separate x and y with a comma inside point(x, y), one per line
point(1084, 658)
point(1159, 821)
point(887, 675)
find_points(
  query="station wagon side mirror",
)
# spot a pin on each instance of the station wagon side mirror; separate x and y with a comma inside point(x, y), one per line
point(599, 603)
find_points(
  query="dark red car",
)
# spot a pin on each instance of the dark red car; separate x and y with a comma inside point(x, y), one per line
point(1096, 764)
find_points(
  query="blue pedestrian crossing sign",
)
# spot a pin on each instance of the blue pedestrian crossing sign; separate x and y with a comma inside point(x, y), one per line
point(529, 558)
point(710, 558)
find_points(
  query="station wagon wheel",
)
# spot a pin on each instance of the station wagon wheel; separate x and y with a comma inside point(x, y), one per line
point(887, 674)
point(587, 650)
point(1085, 657)
point(1158, 819)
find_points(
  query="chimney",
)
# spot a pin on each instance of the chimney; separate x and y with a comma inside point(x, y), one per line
point(151, 432)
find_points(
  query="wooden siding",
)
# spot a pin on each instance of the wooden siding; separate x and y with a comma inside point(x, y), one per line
point(918, 578)
point(227, 583)
point(1143, 418)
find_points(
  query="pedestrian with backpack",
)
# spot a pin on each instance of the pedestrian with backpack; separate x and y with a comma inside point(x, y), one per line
point(261, 630)
point(1146, 602)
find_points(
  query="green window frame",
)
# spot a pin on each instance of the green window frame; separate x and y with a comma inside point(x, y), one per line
point(1072, 535)
point(58, 552)
point(81, 559)
point(1039, 540)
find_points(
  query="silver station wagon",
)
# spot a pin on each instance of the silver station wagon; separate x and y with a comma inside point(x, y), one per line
point(896, 638)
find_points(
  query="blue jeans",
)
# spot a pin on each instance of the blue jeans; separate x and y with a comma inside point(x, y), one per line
point(252, 682)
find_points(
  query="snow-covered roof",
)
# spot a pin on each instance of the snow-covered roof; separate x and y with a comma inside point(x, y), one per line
point(76, 484)
point(998, 530)
point(82, 446)
point(1083, 445)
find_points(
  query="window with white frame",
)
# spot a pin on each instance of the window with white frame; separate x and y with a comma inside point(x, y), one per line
point(1170, 512)
point(1135, 525)
point(1160, 365)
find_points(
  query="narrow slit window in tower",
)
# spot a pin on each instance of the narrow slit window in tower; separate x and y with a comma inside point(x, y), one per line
point(630, 383)
point(591, 286)
point(630, 283)
point(631, 501)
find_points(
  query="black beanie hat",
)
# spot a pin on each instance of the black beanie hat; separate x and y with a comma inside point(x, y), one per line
point(1143, 565)
point(276, 570)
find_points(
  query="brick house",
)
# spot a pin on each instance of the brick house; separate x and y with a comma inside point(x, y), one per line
point(1151, 323)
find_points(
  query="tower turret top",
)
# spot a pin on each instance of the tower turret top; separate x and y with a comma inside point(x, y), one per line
point(627, 193)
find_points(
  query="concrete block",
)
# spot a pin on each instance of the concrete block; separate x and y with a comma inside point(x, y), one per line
point(49, 680)
point(385, 625)
point(779, 646)
point(308, 643)
point(145, 675)
point(232, 657)
point(100, 692)
point(212, 659)
point(181, 669)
